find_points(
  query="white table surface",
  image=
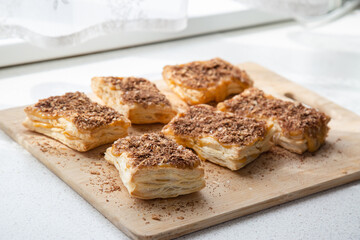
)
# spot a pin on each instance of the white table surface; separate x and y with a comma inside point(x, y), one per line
point(35, 204)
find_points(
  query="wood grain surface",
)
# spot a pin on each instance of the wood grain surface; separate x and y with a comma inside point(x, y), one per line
point(274, 178)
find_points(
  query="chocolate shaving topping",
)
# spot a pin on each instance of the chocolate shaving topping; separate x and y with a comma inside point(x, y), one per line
point(79, 109)
point(204, 120)
point(203, 74)
point(155, 149)
point(138, 90)
point(292, 117)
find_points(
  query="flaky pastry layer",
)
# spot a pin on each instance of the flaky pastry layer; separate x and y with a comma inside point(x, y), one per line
point(159, 111)
point(220, 138)
point(156, 181)
point(205, 81)
point(233, 157)
point(76, 121)
point(297, 128)
point(67, 133)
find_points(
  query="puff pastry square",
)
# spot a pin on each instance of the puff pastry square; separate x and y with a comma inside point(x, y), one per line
point(219, 137)
point(137, 98)
point(298, 128)
point(205, 81)
point(153, 166)
point(76, 121)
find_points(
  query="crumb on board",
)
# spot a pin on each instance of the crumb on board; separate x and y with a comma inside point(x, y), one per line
point(156, 217)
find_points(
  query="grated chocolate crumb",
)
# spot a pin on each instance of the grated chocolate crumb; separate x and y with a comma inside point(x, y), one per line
point(292, 117)
point(203, 120)
point(156, 217)
point(137, 90)
point(155, 149)
point(79, 109)
point(204, 74)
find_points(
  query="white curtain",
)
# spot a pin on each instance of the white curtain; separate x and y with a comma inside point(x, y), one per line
point(52, 23)
point(69, 22)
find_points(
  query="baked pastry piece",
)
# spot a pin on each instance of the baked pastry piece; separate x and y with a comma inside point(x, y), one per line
point(137, 98)
point(298, 128)
point(76, 121)
point(206, 81)
point(153, 166)
point(220, 137)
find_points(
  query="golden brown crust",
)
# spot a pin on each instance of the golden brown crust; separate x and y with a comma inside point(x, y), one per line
point(205, 81)
point(136, 98)
point(147, 174)
point(137, 90)
point(204, 74)
point(204, 120)
point(153, 150)
point(77, 108)
point(293, 118)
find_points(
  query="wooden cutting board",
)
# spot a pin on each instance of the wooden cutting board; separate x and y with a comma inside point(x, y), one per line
point(274, 178)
